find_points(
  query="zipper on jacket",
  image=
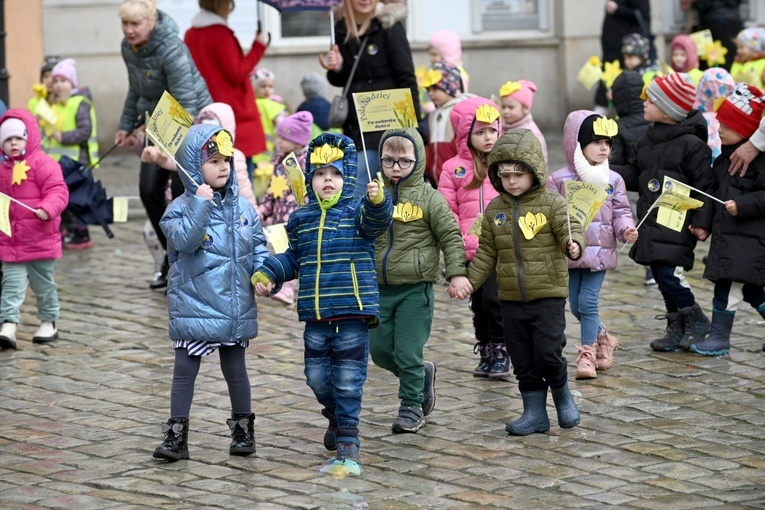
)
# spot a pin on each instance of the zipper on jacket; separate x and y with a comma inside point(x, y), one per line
point(517, 244)
point(390, 238)
point(318, 265)
point(356, 285)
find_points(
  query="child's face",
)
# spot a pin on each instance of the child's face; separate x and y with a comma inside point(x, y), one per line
point(517, 183)
point(744, 52)
point(14, 146)
point(215, 170)
point(653, 113)
point(265, 88)
point(284, 146)
point(597, 151)
point(398, 164)
point(632, 61)
point(511, 110)
point(679, 58)
point(327, 182)
point(483, 139)
point(728, 136)
point(62, 88)
point(438, 96)
point(435, 55)
point(47, 80)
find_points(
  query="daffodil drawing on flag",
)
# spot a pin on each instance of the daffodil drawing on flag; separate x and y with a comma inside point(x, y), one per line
point(295, 176)
point(169, 123)
point(385, 109)
point(584, 201)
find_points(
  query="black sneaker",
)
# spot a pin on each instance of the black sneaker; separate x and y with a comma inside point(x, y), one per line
point(409, 420)
point(429, 390)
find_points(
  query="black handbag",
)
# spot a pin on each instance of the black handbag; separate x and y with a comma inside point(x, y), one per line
point(338, 112)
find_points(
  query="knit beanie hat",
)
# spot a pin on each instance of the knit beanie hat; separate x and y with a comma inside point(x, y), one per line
point(596, 127)
point(448, 44)
point(49, 62)
point(753, 38)
point(296, 128)
point(685, 43)
point(262, 73)
point(444, 76)
point(521, 90)
point(714, 83)
point(67, 69)
point(313, 85)
point(741, 111)
point(12, 127)
point(636, 44)
point(674, 94)
point(220, 143)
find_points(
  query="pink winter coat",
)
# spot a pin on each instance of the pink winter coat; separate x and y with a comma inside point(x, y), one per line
point(528, 123)
point(457, 173)
point(614, 216)
point(42, 187)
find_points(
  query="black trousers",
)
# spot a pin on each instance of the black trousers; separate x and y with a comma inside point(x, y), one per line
point(152, 183)
point(487, 312)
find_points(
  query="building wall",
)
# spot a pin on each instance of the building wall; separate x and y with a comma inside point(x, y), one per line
point(23, 48)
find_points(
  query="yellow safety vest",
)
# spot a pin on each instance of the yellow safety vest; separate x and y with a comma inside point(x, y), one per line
point(749, 72)
point(269, 110)
point(67, 121)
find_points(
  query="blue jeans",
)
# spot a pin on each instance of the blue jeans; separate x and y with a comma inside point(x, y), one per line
point(336, 357)
point(39, 273)
point(362, 179)
point(583, 292)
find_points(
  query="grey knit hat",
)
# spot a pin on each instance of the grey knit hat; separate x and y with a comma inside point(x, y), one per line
point(313, 85)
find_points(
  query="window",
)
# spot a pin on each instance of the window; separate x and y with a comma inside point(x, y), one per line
point(498, 15)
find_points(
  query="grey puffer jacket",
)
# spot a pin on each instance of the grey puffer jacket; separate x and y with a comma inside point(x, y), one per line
point(163, 63)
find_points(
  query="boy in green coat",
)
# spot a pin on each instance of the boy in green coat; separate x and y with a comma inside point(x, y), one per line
point(407, 266)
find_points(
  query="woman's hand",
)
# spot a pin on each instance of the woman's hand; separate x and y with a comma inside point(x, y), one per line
point(332, 60)
point(123, 138)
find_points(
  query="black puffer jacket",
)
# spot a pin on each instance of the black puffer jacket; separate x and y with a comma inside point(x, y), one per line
point(623, 21)
point(629, 107)
point(679, 151)
point(737, 251)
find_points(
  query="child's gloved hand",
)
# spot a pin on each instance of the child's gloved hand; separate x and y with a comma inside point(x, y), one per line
point(375, 192)
point(263, 284)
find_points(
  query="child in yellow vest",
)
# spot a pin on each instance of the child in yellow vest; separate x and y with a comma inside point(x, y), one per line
point(44, 90)
point(749, 66)
point(272, 111)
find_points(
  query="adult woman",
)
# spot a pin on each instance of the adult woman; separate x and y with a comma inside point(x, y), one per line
point(226, 69)
point(385, 63)
point(156, 60)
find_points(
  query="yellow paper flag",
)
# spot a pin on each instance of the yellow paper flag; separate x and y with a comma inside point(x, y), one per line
point(120, 209)
point(584, 201)
point(673, 205)
point(590, 73)
point(475, 228)
point(702, 39)
point(45, 112)
point(296, 177)
point(169, 123)
point(277, 236)
point(385, 109)
point(5, 219)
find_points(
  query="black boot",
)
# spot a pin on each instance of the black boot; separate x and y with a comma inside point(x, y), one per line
point(176, 443)
point(696, 326)
point(330, 435)
point(534, 417)
point(718, 341)
point(160, 277)
point(673, 334)
point(568, 413)
point(500, 362)
point(242, 434)
point(483, 349)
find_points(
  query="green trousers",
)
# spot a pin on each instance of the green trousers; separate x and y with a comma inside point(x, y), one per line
point(406, 315)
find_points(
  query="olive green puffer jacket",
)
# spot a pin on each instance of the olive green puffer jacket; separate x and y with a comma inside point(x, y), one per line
point(527, 269)
point(423, 225)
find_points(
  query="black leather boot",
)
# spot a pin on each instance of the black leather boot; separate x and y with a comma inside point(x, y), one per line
point(176, 443)
point(242, 434)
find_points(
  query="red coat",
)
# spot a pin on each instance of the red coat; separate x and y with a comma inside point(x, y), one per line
point(43, 188)
point(226, 69)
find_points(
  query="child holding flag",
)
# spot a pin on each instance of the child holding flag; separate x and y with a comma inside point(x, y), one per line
point(34, 196)
point(674, 147)
point(737, 250)
point(587, 143)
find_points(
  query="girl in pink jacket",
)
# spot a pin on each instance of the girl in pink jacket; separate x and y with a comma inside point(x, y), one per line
point(465, 184)
point(29, 250)
point(587, 143)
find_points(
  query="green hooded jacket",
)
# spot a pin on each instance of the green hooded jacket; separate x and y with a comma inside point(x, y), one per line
point(524, 237)
point(423, 225)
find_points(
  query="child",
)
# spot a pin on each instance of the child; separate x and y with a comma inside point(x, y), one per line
point(332, 250)
point(749, 66)
point(715, 83)
point(444, 88)
point(407, 266)
point(684, 56)
point(314, 86)
point(28, 175)
point(44, 89)
point(675, 146)
point(292, 135)
point(270, 106)
point(445, 46)
point(631, 123)
point(738, 231)
point(524, 238)
point(74, 135)
point(636, 52)
point(466, 187)
point(214, 242)
point(587, 143)
point(516, 98)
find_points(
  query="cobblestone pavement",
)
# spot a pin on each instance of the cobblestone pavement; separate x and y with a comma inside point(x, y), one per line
point(80, 418)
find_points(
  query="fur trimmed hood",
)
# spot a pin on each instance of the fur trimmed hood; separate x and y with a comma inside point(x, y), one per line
point(389, 12)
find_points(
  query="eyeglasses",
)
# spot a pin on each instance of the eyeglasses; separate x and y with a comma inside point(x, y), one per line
point(403, 163)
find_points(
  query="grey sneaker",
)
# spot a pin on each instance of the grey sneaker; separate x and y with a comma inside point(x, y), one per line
point(347, 448)
point(429, 390)
point(409, 420)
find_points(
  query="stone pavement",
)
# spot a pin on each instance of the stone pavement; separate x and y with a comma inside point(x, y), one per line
point(80, 418)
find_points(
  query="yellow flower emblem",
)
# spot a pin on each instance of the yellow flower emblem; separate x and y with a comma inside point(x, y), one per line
point(325, 155)
point(278, 186)
point(179, 114)
point(225, 144)
point(605, 127)
point(716, 54)
point(431, 77)
point(610, 72)
point(40, 90)
point(510, 87)
point(19, 174)
point(531, 224)
point(407, 212)
point(594, 61)
point(486, 113)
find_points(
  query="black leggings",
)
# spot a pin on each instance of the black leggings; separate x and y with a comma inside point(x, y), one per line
point(234, 371)
point(152, 183)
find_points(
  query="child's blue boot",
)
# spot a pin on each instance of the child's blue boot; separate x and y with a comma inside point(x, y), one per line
point(534, 417)
point(696, 326)
point(568, 413)
point(718, 341)
point(673, 334)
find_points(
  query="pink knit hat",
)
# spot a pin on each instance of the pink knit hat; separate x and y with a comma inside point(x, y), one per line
point(685, 43)
point(448, 44)
point(296, 128)
point(524, 94)
point(67, 69)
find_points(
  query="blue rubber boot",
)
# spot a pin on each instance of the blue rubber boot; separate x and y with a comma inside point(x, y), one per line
point(534, 417)
point(718, 341)
point(568, 413)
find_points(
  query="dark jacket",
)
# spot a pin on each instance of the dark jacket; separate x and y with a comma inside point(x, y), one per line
point(623, 21)
point(629, 107)
point(386, 63)
point(717, 10)
point(737, 251)
point(679, 151)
